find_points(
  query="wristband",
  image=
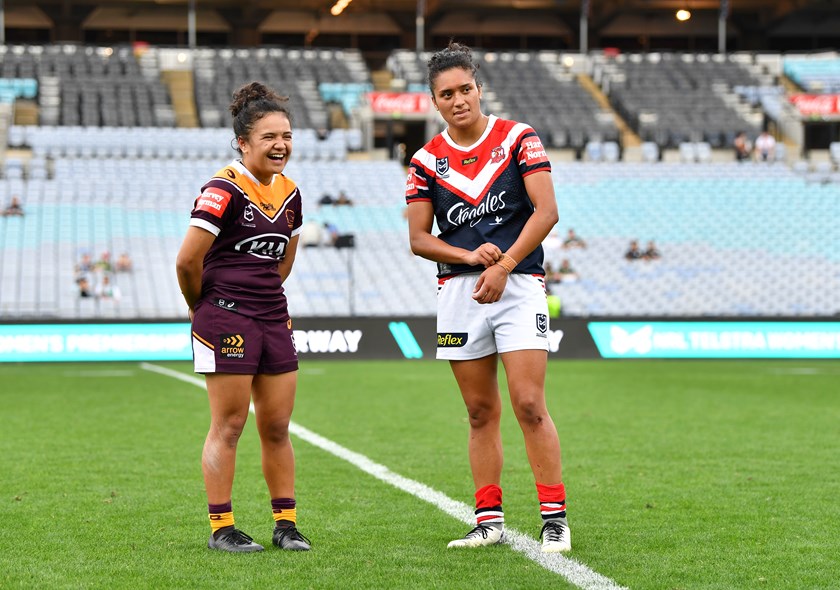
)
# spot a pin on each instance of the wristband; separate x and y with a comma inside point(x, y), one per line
point(507, 263)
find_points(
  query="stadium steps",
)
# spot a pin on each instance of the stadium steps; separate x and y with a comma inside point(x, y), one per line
point(628, 136)
point(181, 89)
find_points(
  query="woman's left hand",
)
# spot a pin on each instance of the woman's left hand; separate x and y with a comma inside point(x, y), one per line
point(490, 285)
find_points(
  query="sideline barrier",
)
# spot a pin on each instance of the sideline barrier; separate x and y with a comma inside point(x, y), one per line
point(416, 338)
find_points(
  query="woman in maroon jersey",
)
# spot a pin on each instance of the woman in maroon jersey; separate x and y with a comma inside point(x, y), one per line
point(238, 251)
point(487, 183)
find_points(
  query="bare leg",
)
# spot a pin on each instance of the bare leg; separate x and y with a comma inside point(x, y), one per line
point(229, 397)
point(480, 390)
point(274, 399)
point(525, 371)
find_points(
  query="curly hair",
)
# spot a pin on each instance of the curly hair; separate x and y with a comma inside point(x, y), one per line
point(251, 103)
point(455, 55)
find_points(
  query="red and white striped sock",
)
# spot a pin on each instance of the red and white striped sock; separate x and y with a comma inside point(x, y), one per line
point(488, 506)
point(552, 501)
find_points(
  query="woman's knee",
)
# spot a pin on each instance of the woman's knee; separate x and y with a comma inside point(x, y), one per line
point(530, 410)
point(482, 414)
point(229, 429)
point(275, 431)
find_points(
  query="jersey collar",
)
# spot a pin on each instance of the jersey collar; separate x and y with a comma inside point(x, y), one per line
point(491, 121)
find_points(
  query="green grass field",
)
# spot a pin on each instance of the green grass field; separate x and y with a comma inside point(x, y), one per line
point(680, 475)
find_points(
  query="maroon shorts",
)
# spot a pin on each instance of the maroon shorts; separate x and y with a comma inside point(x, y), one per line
point(226, 342)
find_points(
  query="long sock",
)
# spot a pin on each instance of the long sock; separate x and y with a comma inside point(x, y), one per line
point(552, 501)
point(284, 510)
point(488, 506)
point(221, 516)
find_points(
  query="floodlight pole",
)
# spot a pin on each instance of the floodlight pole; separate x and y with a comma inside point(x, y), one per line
point(420, 25)
point(2, 23)
point(191, 25)
point(724, 12)
point(584, 26)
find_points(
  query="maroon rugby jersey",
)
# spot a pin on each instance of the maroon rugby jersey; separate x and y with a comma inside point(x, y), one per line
point(478, 192)
point(253, 224)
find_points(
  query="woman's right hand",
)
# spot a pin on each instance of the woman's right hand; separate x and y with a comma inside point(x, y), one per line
point(485, 255)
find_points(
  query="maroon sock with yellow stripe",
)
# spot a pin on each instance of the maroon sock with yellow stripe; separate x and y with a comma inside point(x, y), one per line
point(221, 516)
point(284, 511)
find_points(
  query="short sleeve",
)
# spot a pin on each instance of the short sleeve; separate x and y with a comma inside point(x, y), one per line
point(211, 206)
point(532, 156)
point(417, 183)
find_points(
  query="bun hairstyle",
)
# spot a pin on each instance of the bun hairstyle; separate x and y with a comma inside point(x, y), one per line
point(454, 55)
point(251, 103)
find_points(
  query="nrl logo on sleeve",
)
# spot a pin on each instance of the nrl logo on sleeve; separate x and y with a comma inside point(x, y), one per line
point(542, 323)
point(442, 166)
point(451, 339)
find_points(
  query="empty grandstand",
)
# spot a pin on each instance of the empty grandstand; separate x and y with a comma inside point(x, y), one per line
point(640, 150)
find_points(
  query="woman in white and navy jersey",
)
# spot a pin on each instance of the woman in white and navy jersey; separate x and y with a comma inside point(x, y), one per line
point(487, 183)
point(238, 252)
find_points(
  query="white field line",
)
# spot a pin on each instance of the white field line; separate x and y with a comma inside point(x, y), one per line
point(572, 570)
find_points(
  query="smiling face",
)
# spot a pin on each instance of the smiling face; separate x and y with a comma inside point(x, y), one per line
point(268, 147)
point(458, 98)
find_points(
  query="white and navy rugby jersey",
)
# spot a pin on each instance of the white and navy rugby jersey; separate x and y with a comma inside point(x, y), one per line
point(478, 192)
point(253, 225)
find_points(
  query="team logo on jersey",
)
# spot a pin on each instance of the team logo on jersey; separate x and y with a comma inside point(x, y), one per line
point(497, 155)
point(290, 218)
point(232, 346)
point(267, 246)
point(542, 323)
point(442, 166)
point(452, 339)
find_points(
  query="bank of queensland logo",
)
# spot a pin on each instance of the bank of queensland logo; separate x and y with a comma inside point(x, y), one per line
point(640, 341)
point(497, 155)
point(542, 324)
point(442, 167)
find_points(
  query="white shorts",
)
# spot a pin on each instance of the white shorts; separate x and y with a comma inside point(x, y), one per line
point(468, 330)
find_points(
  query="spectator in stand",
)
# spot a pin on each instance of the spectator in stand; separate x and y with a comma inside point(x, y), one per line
point(311, 235)
point(326, 199)
point(106, 290)
point(551, 275)
point(742, 146)
point(85, 289)
point(124, 263)
point(573, 241)
point(765, 147)
point(652, 252)
point(104, 263)
point(14, 208)
point(343, 199)
point(567, 273)
point(633, 251)
point(331, 233)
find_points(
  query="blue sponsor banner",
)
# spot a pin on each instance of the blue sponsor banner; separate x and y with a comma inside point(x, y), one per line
point(717, 339)
point(95, 342)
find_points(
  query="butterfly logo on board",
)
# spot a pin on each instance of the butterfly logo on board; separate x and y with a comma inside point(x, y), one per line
point(640, 341)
